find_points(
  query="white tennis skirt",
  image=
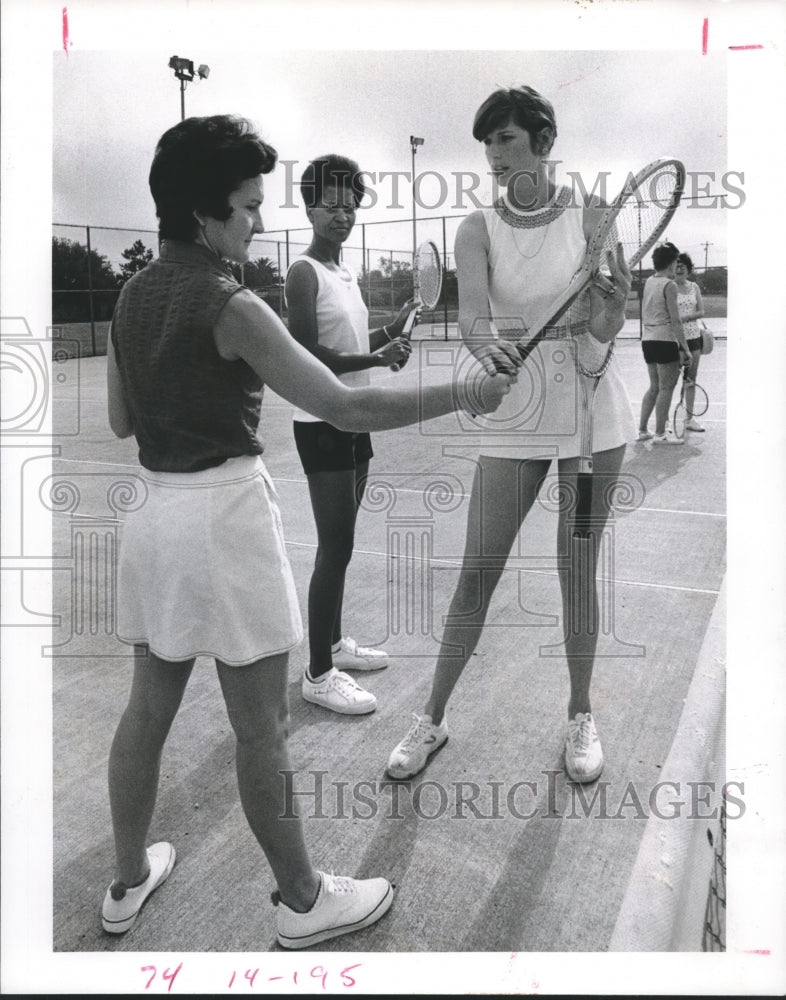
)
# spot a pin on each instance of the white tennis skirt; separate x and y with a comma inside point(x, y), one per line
point(541, 417)
point(203, 568)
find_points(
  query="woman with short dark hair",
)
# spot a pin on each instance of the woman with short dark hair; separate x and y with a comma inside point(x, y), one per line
point(512, 261)
point(663, 344)
point(327, 315)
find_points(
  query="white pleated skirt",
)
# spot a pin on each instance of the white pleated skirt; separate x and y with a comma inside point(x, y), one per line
point(203, 568)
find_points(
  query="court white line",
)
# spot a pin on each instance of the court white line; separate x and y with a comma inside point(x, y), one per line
point(464, 496)
point(403, 489)
point(456, 563)
point(694, 513)
point(105, 465)
point(530, 572)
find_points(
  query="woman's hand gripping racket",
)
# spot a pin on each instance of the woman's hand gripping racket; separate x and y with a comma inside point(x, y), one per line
point(427, 286)
point(626, 231)
point(689, 405)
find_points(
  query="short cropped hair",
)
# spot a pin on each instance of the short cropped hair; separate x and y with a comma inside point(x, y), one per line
point(523, 105)
point(331, 170)
point(664, 255)
point(684, 258)
point(198, 164)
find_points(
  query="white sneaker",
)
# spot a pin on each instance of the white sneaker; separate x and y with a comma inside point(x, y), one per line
point(667, 439)
point(339, 693)
point(694, 425)
point(644, 435)
point(413, 752)
point(583, 753)
point(122, 905)
point(342, 905)
point(350, 656)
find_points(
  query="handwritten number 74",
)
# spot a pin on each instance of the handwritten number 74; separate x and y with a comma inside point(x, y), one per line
point(168, 975)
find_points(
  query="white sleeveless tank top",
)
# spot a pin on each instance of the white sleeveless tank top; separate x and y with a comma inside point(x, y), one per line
point(342, 319)
point(654, 311)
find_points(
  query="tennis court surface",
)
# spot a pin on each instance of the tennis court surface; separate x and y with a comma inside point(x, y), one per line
point(491, 848)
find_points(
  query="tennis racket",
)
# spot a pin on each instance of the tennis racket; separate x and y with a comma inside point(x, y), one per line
point(636, 218)
point(427, 285)
point(701, 403)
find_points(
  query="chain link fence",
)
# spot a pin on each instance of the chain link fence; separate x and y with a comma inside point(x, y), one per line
point(90, 264)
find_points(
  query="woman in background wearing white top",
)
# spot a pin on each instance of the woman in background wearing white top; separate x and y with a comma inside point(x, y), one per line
point(328, 316)
point(512, 260)
point(691, 310)
point(663, 344)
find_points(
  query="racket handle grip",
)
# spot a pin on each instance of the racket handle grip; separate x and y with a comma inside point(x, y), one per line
point(410, 322)
point(406, 333)
point(399, 364)
point(581, 528)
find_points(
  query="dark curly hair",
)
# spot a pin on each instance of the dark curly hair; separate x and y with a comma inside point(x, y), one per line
point(331, 170)
point(523, 106)
point(684, 258)
point(198, 163)
point(664, 255)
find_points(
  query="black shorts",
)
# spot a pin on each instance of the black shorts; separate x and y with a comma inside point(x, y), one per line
point(324, 448)
point(660, 352)
point(694, 345)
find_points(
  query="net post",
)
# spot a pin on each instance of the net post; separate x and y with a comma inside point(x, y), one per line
point(365, 268)
point(90, 293)
point(444, 286)
point(392, 286)
point(280, 282)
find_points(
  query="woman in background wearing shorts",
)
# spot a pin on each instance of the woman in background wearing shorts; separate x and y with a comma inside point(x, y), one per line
point(691, 309)
point(663, 343)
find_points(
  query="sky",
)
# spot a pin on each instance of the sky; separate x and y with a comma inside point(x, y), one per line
point(631, 80)
point(111, 107)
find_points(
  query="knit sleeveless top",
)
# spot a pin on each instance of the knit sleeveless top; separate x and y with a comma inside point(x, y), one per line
point(532, 257)
point(191, 409)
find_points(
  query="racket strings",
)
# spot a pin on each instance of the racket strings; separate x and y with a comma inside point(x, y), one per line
point(428, 280)
point(679, 420)
point(644, 213)
point(701, 401)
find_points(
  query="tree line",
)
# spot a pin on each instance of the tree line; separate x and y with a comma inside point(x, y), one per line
point(76, 270)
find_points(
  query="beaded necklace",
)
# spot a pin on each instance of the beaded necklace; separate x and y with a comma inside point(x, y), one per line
point(540, 218)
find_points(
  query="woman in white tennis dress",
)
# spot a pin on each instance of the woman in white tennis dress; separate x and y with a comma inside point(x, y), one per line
point(513, 260)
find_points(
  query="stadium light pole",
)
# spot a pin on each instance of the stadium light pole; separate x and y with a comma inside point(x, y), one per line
point(414, 142)
point(706, 246)
point(185, 73)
